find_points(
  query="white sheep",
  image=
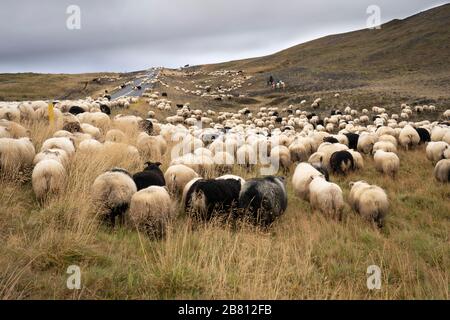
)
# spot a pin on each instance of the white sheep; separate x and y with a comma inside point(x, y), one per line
point(408, 137)
point(63, 143)
point(442, 171)
point(435, 150)
point(112, 192)
point(386, 146)
point(151, 210)
point(326, 197)
point(55, 154)
point(177, 176)
point(387, 162)
point(370, 201)
point(366, 142)
point(49, 177)
point(303, 175)
point(16, 154)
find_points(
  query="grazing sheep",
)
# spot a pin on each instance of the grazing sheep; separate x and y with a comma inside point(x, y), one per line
point(326, 197)
point(90, 146)
point(386, 146)
point(177, 176)
point(424, 135)
point(205, 199)
point(263, 199)
point(328, 149)
point(281, 155)
point(358, 159)
point(408, 138)
point(230, 176)
point(442, 171)
point(323, 170)
point(15, 154)
point(13, 130)
point(299, 152)
point(112, 192)
point(435, 151)
point(151, 210)
point(366, 142)
point(370, 201)
point(342, 162)
point(150, 176)
point(302, 178)
point(55, 154)
point(48, 178)
point(59, 143)
point(387, 162)
point(352, 140)
point(150, 146)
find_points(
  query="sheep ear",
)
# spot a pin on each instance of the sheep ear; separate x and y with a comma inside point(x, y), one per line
point(158, 164)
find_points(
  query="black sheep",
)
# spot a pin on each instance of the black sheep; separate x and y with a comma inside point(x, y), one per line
point(206, 199)
point(424, 135)
point(264, 199)
point(151, 176)
point(105, 109)
point(342, 162)
point(76, 110)
point(352, 140)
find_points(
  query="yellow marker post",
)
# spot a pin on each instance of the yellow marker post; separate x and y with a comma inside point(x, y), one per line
point(51, 113)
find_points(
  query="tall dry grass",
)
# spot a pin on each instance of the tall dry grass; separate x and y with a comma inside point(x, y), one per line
point(303, 256)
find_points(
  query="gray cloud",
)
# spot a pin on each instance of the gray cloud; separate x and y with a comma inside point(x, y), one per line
point(136, 34)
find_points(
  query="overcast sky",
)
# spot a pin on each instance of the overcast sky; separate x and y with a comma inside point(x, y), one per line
point(119, 35)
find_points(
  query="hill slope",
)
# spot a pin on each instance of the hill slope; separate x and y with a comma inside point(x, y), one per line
point(410, 55)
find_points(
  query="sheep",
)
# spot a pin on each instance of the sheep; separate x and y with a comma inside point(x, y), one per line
point(358, 159)
point(370, 201)
point(206, 199)
point(150, 176)
point(13, 130)
point(328, 149)
point(366, 143)
point(112, 192)
point(424, 135)
point(55, 154)
point(90, 146)
point(150, 146)
point(263, 200)
point(408, 137)
point(352, 140)
point(90, 129)
point(302, 178)
point(151, 210)
point(230, 176)
point(438, 133)
point(177, 176)
point(386, 146)
point(342, 162)
point(387, 162)
point(326, 197)
point(435, 151)
point(16, 154)
point(298, 151)
point(281, 156)
point(115, 135)
point(63, 143)
point(442, 171)
point(48, 178)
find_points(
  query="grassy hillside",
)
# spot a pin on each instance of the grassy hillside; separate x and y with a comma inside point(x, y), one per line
point(407, 57)
point(34, 86)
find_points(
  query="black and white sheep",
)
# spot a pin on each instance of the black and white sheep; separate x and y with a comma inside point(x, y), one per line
point(204, 199)
point(342, 162)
